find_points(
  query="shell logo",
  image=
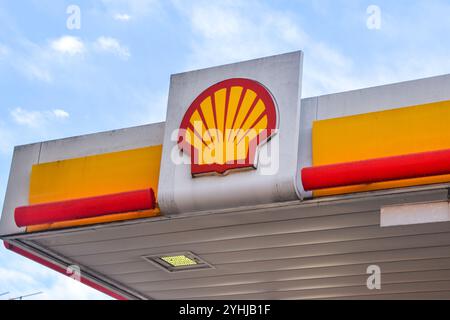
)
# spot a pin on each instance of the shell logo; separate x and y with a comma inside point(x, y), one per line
point(225, 124)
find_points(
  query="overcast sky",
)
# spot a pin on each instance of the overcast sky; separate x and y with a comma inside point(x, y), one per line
point(114, 70)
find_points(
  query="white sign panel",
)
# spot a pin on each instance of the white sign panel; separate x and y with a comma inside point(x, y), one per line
point(232, 136)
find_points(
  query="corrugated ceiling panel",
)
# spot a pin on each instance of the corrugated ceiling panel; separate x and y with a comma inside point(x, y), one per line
point(319, 251)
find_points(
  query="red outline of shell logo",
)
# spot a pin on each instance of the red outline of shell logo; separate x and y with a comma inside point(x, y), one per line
point(225, 124)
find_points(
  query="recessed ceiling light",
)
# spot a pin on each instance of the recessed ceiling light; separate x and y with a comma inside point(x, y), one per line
point(186, 261)
point(179, 261)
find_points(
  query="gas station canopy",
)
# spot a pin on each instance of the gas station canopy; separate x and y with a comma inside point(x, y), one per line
point(248, 191)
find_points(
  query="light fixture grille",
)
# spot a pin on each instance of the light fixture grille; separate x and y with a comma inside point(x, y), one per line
point(177, 262)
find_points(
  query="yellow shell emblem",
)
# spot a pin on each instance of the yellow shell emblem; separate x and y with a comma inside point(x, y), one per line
point(225, 124)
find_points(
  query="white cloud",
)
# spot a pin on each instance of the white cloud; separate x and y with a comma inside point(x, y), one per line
point(122, 17)
point(37, 119)
point(44, 62)
point(112, 45)
point(27, 118)
point(68, 45)
point(61, 58)
point(64, 288)
point(135, 8)
point(60, 114)
point(230, 31)
point(226, 31)
point(9, 275)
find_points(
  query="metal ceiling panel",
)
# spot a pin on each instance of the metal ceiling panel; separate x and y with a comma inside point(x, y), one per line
point(317, 250)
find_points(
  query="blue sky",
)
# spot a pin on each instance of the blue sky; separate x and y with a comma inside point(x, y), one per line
point(114, 71)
